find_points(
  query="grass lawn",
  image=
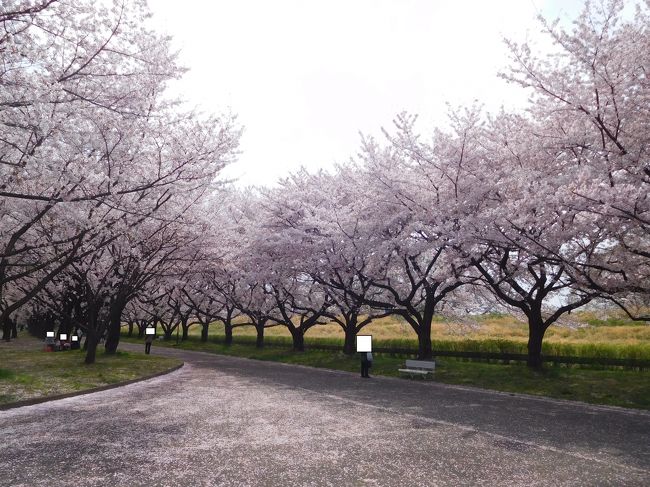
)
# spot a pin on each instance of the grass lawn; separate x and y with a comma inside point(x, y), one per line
point(28, 374)
point(617, 387)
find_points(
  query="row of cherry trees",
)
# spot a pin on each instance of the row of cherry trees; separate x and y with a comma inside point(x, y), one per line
point(99, 169)
point(547, 209)
point(110, 215)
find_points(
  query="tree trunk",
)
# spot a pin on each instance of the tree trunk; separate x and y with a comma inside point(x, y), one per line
point(168, 330)
point(91, 344)
point(536, 332)
point(424, 344)
point(298, 336)
point(349, 346)
point(14, 329)
point(259, 327)
point(204, 331)
point(114, 326)
point(130, 334)
point(142, 326)
point(228, 329)
point(64, 327)
point(186, 330)
point(424, 330)
point(6, 329)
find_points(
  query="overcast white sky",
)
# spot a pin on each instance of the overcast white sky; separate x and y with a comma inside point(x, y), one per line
point(305, 77)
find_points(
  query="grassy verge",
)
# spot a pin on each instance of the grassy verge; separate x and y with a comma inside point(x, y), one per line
point(627, 388)
point(29, 374)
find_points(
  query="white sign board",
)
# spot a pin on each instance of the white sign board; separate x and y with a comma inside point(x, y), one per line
point(49, 334)
point(150, 331)
point(364, 343)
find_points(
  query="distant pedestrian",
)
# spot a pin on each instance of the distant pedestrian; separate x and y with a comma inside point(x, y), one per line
point(49, 344)
point(366, 363)
point(147, 344)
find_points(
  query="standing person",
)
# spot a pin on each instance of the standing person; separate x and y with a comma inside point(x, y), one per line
point(369, 359)
point(49, 343)
point(147, 344)
point(365, 365)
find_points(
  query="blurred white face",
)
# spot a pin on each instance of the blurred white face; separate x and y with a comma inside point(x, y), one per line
point(150, 331)
point(49, 334)
point(364, 343)
point(75, 338)
point(63, 336)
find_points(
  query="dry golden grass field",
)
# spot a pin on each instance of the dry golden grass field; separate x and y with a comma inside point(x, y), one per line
point(586, 327)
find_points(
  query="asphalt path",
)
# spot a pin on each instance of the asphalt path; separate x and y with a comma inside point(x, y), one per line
point(231, 421)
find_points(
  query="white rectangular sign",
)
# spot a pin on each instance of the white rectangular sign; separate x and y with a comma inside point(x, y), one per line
point(364, 343)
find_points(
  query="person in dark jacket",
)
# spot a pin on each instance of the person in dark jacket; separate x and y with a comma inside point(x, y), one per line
point(49, 344)
point(366, 363)
point(147, 344)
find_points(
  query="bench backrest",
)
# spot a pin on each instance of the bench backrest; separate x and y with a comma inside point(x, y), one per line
point(420, 364)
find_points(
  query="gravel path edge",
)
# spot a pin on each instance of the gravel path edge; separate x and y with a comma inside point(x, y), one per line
point(39, 400)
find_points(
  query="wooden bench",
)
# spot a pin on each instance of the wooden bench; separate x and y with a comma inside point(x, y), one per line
point(421, 368)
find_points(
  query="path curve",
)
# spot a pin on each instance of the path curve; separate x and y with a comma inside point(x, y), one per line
point(232, 421)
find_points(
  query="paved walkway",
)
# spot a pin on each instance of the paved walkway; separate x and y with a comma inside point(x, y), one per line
point(230, 421)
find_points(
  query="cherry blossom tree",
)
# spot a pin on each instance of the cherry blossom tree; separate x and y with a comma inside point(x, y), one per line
point(90, 144)
point(414, 221)
point(308, 227)
point(500, 213)
point(591, 97)
point(236, 280)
